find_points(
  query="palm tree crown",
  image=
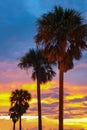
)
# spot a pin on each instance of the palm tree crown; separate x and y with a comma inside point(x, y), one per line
point(19, 99)
point(63, 34)
point(40, 65)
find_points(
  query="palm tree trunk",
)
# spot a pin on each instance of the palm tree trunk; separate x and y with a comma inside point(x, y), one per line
point(20, 128)
point(61, 76)
point(13, 125)
point(39, 105)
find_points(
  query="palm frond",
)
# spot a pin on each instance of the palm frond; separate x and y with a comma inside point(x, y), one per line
point(39, 63)
point(58, 27)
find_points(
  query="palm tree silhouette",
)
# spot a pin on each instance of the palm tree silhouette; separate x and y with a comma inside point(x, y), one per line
point(62, 33)
point(19, 103)
point(14, 116)
point(42, 72)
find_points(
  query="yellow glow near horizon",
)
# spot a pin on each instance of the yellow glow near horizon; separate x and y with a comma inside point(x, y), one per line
point(75, 120)
point(66, 121)
point(4, 95)
point(4, 99)
point(5, 117)
point(78, 115)
point(74, 123)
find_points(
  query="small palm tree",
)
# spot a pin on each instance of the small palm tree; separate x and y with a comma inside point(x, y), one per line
point(14, 116)
point(19, 103)
point(42, 72)
point(63, 34)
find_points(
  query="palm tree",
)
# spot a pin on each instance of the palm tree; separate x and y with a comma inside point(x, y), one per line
point(63, 34)
point(19, 103)
point(13, 115)
point(42, 72)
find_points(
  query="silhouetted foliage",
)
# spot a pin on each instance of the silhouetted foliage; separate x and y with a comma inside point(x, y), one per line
point(19, 104)
point(63, 35)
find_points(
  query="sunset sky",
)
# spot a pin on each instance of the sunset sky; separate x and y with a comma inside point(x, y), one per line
point(17, 31)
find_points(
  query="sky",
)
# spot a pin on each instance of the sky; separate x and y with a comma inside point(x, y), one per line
point(17, 31)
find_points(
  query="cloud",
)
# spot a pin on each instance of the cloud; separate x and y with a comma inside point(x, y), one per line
point(78, 99)
point(50, 94)
point(77, 75)
point(9, 72)
point(75, 107)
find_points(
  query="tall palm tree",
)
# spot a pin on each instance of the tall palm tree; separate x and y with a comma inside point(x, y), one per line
point(63, 34)
point(42, 72)
point(19, 103)
point(13, 115)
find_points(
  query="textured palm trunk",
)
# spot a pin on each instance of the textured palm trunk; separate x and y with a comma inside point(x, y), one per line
point(39, 105)
point(13, 125)
point(20, 128)
point(61, 76)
